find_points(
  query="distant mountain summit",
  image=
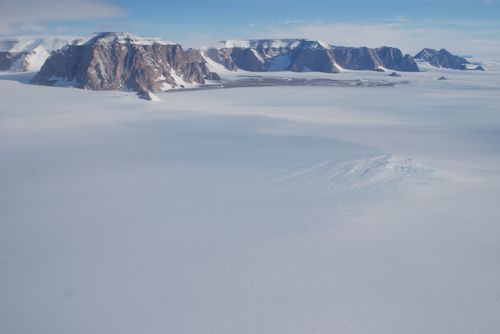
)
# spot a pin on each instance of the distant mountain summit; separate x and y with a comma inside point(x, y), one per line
point(28, 53)
point(302, 55)
point(122, 61)
point(445, 59)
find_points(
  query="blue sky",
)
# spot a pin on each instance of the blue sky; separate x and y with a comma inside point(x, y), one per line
point(227, 13)
point(408, 24)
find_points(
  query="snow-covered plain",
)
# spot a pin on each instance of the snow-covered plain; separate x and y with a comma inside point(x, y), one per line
point(252, 210)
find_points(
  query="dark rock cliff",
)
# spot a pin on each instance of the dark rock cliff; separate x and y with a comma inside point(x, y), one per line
point(118, 61)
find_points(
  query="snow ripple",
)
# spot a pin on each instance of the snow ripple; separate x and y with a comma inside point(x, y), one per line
point(364, 178)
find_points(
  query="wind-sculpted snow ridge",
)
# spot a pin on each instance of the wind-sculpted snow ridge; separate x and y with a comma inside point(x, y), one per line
point(362, 179)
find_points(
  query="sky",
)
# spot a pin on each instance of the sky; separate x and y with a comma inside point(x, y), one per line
point(466, 26)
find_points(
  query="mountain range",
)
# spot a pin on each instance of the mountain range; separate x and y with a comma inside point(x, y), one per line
point(301, 55)
point(123, 61)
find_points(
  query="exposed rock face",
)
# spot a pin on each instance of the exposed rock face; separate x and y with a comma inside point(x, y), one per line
point(356, 58)
point(28, 53)
point(371, 59)
point(394, 59)
point(196, 56)
point(221, 56)
point(300, 55)
point(313, 56)
point(247, 59)
point(120, 61)
point(443, 59)
point(9, 59)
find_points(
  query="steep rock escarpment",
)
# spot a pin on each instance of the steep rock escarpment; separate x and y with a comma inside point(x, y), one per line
point(300, 55)
point(120, 61)
point(372, 59)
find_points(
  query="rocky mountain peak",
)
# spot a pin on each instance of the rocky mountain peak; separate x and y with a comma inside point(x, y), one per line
point(442, 58)
point(314, 44)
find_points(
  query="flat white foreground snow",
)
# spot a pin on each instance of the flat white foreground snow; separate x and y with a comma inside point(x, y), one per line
point(252, 210)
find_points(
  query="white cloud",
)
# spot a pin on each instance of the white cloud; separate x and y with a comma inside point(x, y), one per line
point(23, 15)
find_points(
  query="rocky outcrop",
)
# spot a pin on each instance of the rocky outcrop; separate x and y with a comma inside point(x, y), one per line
point(121, 61)
point(443, 59)
point(395, 75)
point(148, 96)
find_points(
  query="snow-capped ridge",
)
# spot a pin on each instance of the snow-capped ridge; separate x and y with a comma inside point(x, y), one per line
point(315, 44)
point(281, 43)
point(123, 38)
point(28, 53)
point(28, 44)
